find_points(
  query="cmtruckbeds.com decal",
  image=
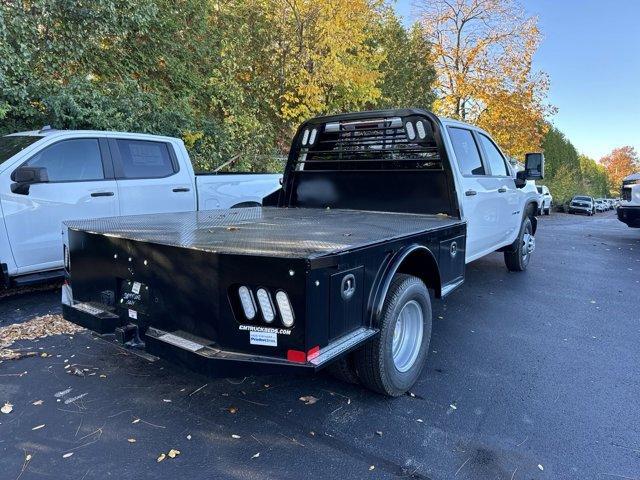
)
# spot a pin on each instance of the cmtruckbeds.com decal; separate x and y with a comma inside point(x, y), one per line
point(253, 328)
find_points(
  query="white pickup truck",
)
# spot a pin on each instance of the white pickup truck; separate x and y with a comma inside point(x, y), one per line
point(49, 176)
point(333, 271)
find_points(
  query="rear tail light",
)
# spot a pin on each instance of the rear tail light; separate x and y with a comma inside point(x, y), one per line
point(67, 258)
point(248, 304)
point(286, 312)
point(266, 307)
point(422, 133)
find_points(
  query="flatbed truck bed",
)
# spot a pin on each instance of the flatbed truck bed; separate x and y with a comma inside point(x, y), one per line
point(268, 231)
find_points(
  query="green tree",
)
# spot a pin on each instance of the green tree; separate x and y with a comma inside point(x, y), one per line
point(229, 77)
point(595, 181)
point(562, 165)
point(407, 73)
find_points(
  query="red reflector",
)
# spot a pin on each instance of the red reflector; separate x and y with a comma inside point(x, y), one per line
point(313, 353)
point(296, 356)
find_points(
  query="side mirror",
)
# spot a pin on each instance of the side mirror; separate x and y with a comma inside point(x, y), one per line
point(27, 176)
point(533, 169)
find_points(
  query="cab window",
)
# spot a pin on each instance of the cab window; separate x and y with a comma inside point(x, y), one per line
point(494, 157)
point(466, 151)
point(70, 160)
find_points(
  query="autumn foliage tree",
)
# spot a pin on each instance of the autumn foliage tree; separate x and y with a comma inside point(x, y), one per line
point(482, 51)
point(620, 163)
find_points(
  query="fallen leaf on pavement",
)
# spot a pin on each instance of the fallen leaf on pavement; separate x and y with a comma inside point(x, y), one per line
point(37, 402)
point(256, 455)
point(173, 453)
point(235, 436)
point(161, 457)
point(189, 437)
point(309, 399)
point(372, 467)
point(131, 440)
point(540, 467)
point(136, 420)
point(233, 409)
point(379, 433)
point(6, 408)
point(38, 427)
point(75, 371)
point(67, 455)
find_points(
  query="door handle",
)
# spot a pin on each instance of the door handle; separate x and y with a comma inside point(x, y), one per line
point(102, 194)
point(183, 189)
point(470, 193)
point(502, 189)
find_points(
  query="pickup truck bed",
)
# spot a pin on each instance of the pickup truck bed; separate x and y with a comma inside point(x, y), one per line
point(170, 282)
point(268, 231)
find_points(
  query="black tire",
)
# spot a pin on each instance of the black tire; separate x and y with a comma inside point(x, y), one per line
point(344, 369)
point(374, 362)
point(515, 258)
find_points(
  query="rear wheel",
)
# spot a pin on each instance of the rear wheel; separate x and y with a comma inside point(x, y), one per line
point(517, 259)
point(547, 210)
point(392, 362)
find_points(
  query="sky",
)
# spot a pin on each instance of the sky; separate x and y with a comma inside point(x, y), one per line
point(591, 52)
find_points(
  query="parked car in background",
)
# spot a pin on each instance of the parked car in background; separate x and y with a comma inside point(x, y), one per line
point(629, 206)
point(49, 176)
point(601, 205)
point(582, 204)
point(546, 200)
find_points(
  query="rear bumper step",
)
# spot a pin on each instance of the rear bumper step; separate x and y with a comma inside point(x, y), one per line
point(91, 317)
point(202, 355)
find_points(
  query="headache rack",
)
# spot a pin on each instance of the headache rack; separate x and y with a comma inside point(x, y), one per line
point(386, 143)
point(382, 160)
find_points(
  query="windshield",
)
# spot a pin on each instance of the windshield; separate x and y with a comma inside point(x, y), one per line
point(581, 199)
point(11, 145)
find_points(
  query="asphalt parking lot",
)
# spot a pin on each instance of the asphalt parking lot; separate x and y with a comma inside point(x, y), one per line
point(530, 376)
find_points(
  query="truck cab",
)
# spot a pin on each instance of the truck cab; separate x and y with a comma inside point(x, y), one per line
point(629, 209)
point(378, 211)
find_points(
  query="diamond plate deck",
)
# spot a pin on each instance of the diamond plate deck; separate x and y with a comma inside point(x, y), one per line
point(267, 231)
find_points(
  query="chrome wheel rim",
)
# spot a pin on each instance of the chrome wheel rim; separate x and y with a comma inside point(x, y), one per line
point(528, 244)
point(407, 336)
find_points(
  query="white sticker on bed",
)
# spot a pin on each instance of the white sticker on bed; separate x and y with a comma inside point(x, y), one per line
point(268, 339)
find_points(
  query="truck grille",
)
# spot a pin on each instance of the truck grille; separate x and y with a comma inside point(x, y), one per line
point(393, 143)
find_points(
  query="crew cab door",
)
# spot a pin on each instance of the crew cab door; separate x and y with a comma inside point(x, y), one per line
point(507, 192)
point(80, 186)
point(482, 205)
point(149, 177)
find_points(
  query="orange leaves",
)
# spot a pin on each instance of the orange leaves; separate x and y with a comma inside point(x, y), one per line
point(482, 51)
point(619, 163)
